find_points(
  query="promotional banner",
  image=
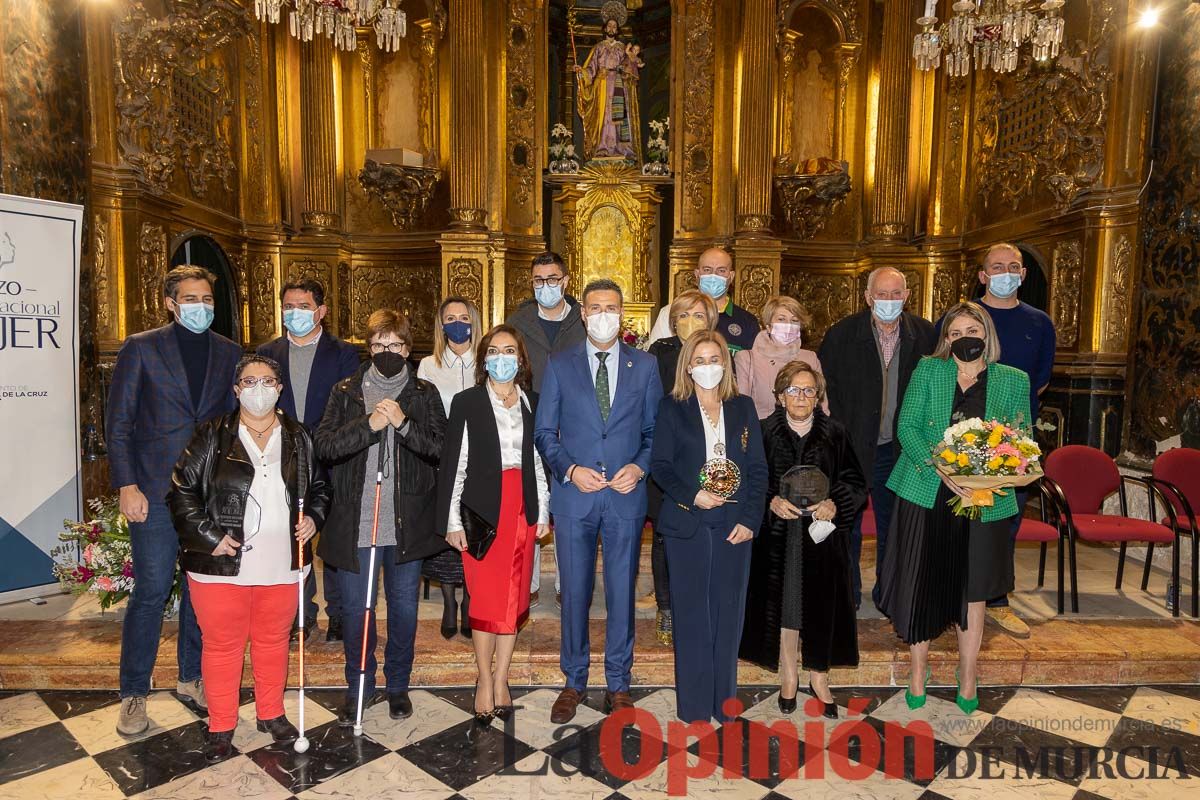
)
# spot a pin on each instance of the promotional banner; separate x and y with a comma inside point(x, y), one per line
point(39, 397)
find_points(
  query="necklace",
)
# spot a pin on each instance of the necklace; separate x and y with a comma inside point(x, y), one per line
point(259, 434)
point(719, 446)
point(969, 377)
point(504, 398)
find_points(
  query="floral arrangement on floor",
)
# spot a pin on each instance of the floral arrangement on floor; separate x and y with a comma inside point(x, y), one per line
point(986, 456)
point(633, 335)
point(96, 556)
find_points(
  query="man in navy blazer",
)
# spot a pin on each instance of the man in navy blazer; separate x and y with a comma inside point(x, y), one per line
point(313, 361)
point(595, 428)
point(166, 382)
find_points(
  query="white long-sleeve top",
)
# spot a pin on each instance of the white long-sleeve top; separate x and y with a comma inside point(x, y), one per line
point(510, 425)
point(266, 523)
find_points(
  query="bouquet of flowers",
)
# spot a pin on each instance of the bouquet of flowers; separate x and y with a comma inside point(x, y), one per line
point(657, 146)
point(562, 150)
point(96, 556)
point(632, 334)
point(985, 456)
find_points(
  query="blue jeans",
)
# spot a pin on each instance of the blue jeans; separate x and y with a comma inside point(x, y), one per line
point(401, 583)
point(155, 549)
point(882, 503)
point(1022, 499)
point(333, 597)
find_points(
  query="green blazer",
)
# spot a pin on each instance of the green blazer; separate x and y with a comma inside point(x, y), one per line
point(925, 415)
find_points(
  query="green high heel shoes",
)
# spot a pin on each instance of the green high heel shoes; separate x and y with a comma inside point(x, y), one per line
point(968, 707)
point(915, 701)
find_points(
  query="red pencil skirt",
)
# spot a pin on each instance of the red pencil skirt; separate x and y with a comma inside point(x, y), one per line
point(499, 583)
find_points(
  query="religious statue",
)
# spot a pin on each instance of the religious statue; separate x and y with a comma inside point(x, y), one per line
point(812, 136)
point(607, 92)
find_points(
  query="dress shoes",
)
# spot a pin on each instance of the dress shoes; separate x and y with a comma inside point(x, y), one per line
point(830, 709)
point(399, 706)
point(617, 701)
point(280, 729)
point(218, 746)
point(563, 710)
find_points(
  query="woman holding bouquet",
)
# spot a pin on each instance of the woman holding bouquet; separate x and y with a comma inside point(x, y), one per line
point(943, 568)
point(232, 501)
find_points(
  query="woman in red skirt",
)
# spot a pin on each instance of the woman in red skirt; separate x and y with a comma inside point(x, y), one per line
point(491, 474)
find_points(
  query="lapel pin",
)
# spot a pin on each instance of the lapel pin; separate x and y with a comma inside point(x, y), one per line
point(745, 438)
point(629, 363)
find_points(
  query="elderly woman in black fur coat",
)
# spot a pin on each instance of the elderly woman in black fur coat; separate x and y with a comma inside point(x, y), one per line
point(799, 594)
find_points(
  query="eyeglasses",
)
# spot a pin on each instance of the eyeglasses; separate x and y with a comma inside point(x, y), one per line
point(538, 283)
point(394, 347)
point(249, 382)
point(795, 391)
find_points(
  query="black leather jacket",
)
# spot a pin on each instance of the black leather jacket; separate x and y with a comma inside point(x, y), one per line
point(211, 483)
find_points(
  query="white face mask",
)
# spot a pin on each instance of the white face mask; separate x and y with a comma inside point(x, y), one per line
point(259, 399)
point(604, 326)
point(708, 376)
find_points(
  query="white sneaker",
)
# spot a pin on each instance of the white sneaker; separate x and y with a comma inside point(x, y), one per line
point(133, 719)
point(192, 691)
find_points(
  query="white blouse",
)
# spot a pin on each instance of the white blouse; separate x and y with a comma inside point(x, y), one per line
point(266, 522)
point(510, 425)
point(713, 436)
point(454, 374)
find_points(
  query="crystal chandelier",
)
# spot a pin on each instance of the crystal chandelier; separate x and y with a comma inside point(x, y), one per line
point(338, 19)
point(989, 33)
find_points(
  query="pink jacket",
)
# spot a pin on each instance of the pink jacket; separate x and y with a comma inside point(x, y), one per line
point(757, 368)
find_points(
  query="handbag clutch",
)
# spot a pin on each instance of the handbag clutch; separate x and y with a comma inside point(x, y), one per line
point(479, 532)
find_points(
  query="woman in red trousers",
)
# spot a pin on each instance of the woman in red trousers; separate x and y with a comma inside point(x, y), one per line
point(231, 501)
point(490, 434)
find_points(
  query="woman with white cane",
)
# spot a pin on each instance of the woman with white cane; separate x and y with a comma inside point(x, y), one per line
point(231, 503)
point(382, 438)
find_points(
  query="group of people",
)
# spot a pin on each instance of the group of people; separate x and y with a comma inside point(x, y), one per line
point(455, 469)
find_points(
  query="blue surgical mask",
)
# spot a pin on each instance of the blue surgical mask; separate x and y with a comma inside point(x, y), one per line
point(887, 310)
point(299, 321)
point(457, 331)
point(714, 286)
point(548, 296)
point(502, 367)
point(196, 317)
point(1005, 284)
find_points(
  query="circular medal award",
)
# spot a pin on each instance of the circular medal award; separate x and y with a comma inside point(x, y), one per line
point(721, 477)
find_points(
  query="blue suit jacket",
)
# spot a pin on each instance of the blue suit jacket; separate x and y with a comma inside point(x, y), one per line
point(150, 415)
point(679, 453)
point(334, 361)
point(568, 428)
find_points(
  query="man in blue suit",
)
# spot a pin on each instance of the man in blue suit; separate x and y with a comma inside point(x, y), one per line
point(167, 381)
point(313, 360)
point(595, 428)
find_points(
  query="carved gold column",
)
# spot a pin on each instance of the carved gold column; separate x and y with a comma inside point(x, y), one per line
point(889, 208)
point(756, 86)
point(319, 136)
point(469, 122)
point(468, 252)
point(756, 252)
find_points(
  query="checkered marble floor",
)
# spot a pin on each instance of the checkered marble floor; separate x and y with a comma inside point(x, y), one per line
point(1122, 743)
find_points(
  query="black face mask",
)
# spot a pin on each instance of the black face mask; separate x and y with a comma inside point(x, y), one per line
point(967, 348)
point(388, 363)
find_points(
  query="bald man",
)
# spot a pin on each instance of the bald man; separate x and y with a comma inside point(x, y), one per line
point(867, 400)
point(714, 276)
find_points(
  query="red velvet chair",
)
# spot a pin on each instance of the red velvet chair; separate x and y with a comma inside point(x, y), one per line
point(1082, 477)
point(868, 521)
point(1050, 528)
point(1177, 473)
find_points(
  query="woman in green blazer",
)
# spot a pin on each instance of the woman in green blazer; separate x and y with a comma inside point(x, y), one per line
point(943, 568)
